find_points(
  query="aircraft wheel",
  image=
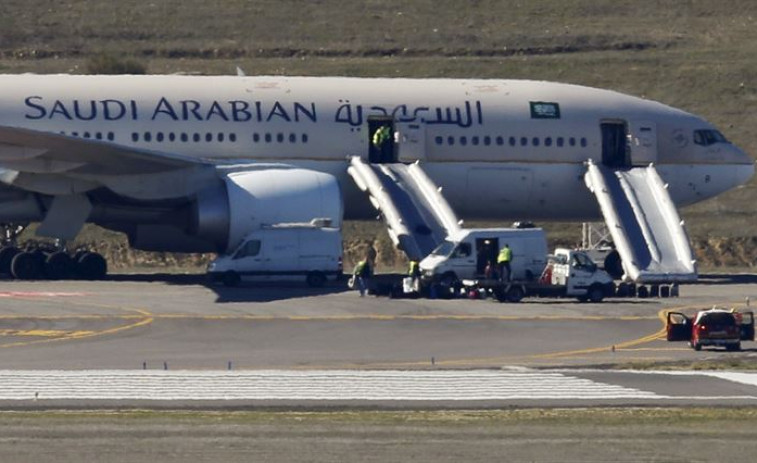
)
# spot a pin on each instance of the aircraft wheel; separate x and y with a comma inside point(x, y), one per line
point(92, 266)
point(59, 266)
point(7, 253)
point(26, 266)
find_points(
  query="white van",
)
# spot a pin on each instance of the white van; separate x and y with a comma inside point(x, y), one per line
point(465, 255)
point(285, 252)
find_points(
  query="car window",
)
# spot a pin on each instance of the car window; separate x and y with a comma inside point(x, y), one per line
point(462, 250)
point(250, 248)
point(719, 318)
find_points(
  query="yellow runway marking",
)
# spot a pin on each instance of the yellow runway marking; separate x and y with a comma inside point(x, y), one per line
point(389, 317)
point(145, 318)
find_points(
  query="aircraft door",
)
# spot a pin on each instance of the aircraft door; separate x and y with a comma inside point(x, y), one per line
point(615, 144)
point(382, 148)
point(642, 139)
point(411, 141)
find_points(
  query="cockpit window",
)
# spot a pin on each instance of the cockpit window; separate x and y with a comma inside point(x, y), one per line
point(709, 137)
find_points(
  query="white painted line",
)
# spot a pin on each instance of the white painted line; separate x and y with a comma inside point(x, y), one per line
point(327, 385)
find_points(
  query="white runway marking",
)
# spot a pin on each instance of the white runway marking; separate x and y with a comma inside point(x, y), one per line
point(325, 385)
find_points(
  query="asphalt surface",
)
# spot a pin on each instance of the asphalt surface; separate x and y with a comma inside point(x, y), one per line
point(159, 322)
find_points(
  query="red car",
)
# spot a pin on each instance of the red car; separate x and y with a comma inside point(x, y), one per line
point(713, 327)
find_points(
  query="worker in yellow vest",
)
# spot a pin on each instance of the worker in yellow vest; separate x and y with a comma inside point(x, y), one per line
point(504, 258)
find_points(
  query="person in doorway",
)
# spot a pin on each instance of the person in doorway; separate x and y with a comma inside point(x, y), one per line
point(504, 258)
point(490, 272)
point(383, 141)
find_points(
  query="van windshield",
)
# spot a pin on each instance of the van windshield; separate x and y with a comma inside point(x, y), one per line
point(444, 249)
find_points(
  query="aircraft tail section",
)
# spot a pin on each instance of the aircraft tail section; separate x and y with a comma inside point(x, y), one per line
point(417, 215)
point(648, 232)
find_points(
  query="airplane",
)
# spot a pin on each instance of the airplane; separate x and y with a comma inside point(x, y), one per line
point(190, 163)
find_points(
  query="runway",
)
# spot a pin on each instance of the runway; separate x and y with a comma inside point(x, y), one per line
point(386, 388)
point(166, 325)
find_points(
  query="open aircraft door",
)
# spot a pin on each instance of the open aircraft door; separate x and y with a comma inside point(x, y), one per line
point(411, 140)
point(747, 326)
point(678, 327)
point(642, 138)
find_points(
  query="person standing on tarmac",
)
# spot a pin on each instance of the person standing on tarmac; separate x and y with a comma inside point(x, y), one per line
point(504, 258)
point(362, 274)
point(414, 272)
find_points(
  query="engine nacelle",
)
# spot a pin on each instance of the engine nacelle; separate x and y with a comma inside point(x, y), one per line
point(251, 199)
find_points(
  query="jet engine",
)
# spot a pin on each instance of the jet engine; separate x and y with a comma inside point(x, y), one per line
point(251, 199)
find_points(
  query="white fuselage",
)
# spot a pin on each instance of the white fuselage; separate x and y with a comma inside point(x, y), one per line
point(500, 149)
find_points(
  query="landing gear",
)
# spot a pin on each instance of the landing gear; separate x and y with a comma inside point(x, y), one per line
point(51, 262)
point(92, 266)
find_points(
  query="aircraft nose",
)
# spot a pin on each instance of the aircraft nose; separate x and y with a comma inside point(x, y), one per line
point(744, 173)
point(745, 164)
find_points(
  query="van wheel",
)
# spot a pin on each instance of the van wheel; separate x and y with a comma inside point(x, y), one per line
point(316, 279)
point(448, 280)
point(231, 279)
point(515, 294)
point(596, 293)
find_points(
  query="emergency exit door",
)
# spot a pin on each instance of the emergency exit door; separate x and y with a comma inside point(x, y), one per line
point(381, 148)
point(615, 145)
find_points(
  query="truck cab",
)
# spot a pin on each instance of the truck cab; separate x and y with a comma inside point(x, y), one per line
point(576, 275)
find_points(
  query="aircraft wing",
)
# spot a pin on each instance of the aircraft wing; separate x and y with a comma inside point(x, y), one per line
point(36, 152)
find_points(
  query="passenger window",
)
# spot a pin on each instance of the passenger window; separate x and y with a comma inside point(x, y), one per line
point(487, 140)
point(250, 249)
point(462, 250)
